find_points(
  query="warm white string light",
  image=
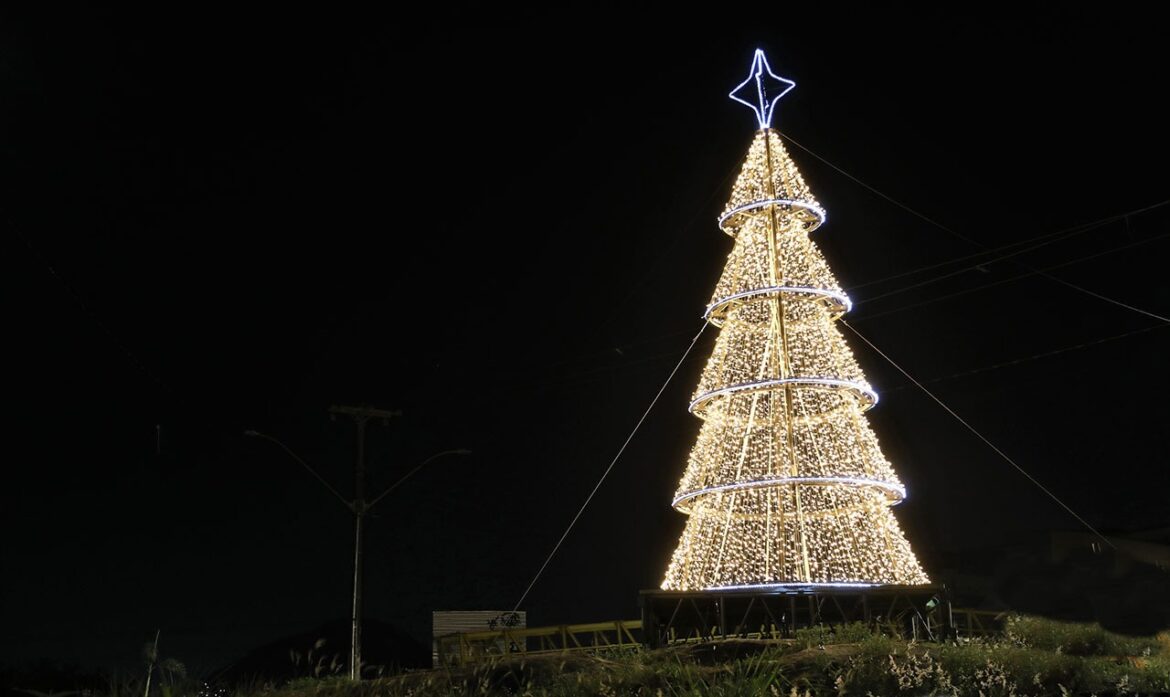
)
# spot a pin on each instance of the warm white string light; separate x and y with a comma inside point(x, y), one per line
point(786, 484)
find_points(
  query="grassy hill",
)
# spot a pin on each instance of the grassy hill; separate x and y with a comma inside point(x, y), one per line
point(1031, 657)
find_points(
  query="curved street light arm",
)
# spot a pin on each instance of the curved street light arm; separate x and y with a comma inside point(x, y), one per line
point(327, 485)
point(408, 475)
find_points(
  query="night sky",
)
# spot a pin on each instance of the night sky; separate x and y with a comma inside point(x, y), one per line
point(506, 228)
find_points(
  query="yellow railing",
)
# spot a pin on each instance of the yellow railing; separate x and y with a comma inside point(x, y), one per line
point(469, 647)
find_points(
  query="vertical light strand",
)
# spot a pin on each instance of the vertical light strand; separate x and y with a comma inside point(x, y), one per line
point(776, 279)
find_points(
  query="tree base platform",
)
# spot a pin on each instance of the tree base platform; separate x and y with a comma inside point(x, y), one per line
point(776, 612)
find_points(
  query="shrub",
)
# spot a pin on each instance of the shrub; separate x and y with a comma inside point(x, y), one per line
point(822, 635)
point(1076, 638)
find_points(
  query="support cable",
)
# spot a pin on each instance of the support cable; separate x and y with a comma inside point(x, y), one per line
point(979, 435)
point(892, 200)
point(1086, 291)
point(613, 462)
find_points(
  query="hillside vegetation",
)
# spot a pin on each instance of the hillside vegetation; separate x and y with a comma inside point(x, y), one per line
point(1031, 657)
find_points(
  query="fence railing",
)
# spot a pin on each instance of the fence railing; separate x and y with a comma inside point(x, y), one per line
point(470, 647)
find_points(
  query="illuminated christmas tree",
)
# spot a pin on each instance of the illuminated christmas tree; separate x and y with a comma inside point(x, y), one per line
point(786, 484)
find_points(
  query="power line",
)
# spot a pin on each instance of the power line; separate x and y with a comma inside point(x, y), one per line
point(1033, 357)
point(961, 236)
point(1032, 272)
point(979, 435)
point(613, 462)
point(1059, 234)
point(951, 274)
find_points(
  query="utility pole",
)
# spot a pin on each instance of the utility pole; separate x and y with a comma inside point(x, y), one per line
point(359, 506)
point(360, 416)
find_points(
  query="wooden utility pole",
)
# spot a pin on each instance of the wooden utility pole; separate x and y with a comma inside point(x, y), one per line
point(360, 416)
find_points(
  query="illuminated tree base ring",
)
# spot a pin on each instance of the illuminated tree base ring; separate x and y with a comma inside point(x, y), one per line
point(789, 587)
point(837, 302)
point(812, 215)
point(895, 493)
point(865, 395)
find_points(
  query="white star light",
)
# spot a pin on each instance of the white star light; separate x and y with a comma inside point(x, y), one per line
point(759, 101)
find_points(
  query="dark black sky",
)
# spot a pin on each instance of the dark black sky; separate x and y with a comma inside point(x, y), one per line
point(216, 221)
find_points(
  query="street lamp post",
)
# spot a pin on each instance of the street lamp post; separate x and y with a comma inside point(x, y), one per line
point(359, 507)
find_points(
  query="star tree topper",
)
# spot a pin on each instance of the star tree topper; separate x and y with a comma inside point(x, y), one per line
point(755, 89)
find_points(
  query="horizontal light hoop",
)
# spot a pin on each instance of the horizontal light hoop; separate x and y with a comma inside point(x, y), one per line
point(837, 296)
point(781, 587)
point(867, 396)
point(896, 493)
point(810, 207)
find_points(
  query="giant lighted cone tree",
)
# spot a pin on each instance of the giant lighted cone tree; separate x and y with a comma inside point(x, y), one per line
point(786, 484)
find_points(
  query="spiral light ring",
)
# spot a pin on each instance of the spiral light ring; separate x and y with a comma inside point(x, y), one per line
point(865, 395)
point(810, 213)
point(837, 302)
point(895, 493)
